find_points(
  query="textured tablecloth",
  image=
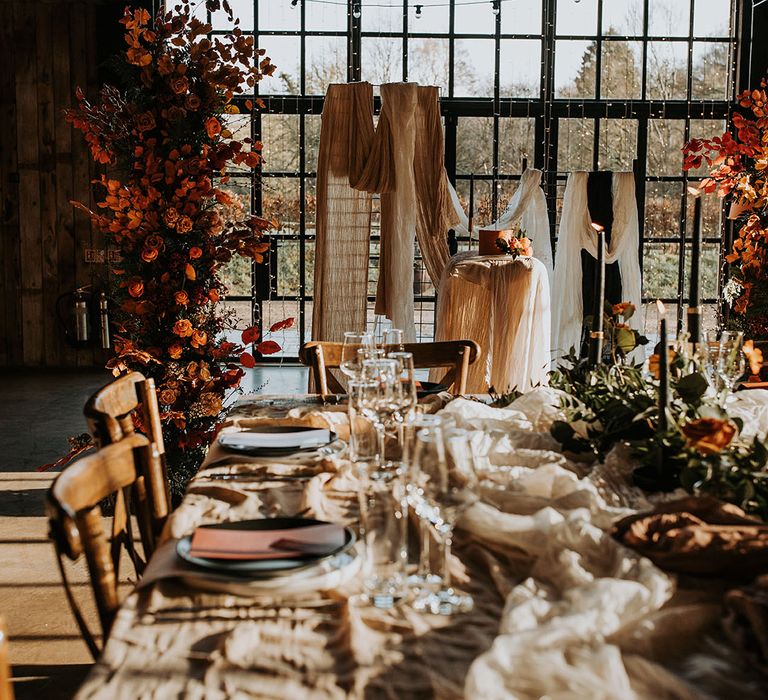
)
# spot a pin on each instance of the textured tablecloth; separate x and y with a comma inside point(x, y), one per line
point(562, 610)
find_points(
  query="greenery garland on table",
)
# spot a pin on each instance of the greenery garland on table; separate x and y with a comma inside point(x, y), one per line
point(617, 402)
point(166, 208)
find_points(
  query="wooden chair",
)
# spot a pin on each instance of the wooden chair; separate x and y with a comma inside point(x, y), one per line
point(456, 355)
point(6, 688)
point(76, 523)
point(111, 414)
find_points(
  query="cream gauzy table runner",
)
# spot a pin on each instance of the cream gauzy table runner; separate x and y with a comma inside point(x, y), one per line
point(562, 610)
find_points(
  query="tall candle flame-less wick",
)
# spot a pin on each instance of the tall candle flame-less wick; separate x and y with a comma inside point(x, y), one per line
point(597, 227)
point(662, 309)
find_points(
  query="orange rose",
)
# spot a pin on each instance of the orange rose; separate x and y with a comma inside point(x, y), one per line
point(213, 295)
point(199, 338)
point(175, 350)
point(154, 241)
point(181, 297)
point(184, 224)
point(195, 252)
point(192, 103)
point(145, 121)
point(136, 287)
point(149, 254)
point(170, 216)
point(209, 404)
point(167, 396)
point(176, 114)
point(179, 84)
point(621, 308)
point(709, 436)
point(183, 328)
point(754, 357)
point(213, 127)
point(204, 373)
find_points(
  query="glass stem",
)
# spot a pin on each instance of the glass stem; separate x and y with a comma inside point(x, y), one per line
point(381, 434)
point(446, 572)
point(425, 566)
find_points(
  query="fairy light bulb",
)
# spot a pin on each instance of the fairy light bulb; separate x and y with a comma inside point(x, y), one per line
point(356, 11)
point(496, 7)
point(418, 11)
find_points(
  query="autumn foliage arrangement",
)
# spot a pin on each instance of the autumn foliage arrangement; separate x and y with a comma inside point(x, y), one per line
point(165, 207)
point(738, 165)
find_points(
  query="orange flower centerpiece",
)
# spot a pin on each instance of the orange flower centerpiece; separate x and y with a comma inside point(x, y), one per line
point(169, 215)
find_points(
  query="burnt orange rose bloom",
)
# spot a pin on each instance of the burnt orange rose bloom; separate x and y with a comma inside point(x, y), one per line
point(192, 103)
point(145, 121)
point(136, 287)
point(179, 84)
point(154, 241)
point(182, 298)
point(175, 350)
point(199, 338)
point(209, 404)
point(213, 295)
point(195, 252)
point(184, 224)
point(170, 217)
point(754, 357)
point(176, 114)
point(149, 254)
point(709, 436)
point(213, 127)
point(621, 308)
point(183, 328)
point(204, 372)
point(167, 396)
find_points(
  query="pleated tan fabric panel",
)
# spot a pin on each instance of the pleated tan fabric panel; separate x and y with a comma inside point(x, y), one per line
point(343, 213)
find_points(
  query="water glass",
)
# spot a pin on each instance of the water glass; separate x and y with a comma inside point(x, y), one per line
point(351, 359)
point(363, 438)
point(383, 511)
point(731, 361)
point(393, 339)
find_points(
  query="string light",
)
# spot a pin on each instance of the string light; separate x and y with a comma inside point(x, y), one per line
point(418, 11)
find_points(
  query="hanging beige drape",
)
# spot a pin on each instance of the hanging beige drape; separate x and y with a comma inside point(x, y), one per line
point(343, 213)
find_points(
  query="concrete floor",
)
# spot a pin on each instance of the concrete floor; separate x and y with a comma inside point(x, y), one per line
point(40, 410)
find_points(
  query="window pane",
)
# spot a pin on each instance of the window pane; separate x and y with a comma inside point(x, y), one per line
point(474, 145)
point(621, 74)
point(326, 62)
point(237, 277)
point(280, 202)
point(310, 205)
point(288, 268)
point(711, 71)
point(280, 136)
point(709, 270)
point(575, 144)
point(666, 138)
point(288, 339)
point(241, 9)
point(382, 16)
point(623, 17)
point(577, 18)
point(667, 70)
point(521, 17)
point(239, 125)
point(711, 215)
point(381, 60)
point(516, 140)
point(660, 268)
point(712, 18)
point(474, 19)
point(312, 124)
point(520, 68)
point(473, 72)
point(278, 15)
point(325, 17)
point(662, 209)
point(483, 204)
point(618, 144)
point(284, 52)
point(575, 68)
point(669, 17)
point(428, 62)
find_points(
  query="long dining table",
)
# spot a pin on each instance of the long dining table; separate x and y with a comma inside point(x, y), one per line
point(561, 608)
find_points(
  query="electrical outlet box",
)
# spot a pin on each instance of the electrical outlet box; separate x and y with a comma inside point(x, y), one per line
point(95, 255)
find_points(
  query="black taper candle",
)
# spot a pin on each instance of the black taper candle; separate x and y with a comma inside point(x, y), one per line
point(471, 209)
point(694, 290)
point(663, 368)
point(598, 300)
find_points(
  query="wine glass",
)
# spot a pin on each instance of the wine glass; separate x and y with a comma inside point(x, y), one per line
point(351, 363)
point(710, 355)
point(383, 401)
point(393, 338)
point(405, 385)
point(731, 362)
point(447, 493)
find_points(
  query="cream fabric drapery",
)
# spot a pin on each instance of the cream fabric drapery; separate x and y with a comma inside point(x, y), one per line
point(503, 305)
point(527, 208)
point(343, 213)
point(575, 234)
point(403, 161)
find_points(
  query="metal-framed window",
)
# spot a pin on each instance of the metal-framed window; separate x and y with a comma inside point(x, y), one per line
point(565, 85)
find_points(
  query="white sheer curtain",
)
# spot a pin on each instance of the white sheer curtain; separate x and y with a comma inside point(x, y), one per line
point(576, 234)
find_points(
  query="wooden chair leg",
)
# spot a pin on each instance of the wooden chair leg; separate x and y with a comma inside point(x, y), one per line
point(463, 371)
point(6, 688)
point(321, 378)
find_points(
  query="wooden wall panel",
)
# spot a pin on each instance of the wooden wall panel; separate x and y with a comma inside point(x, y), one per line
point(47, 48)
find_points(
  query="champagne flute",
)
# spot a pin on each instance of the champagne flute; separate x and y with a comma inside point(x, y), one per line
point(710, 354)
point(351, 363)
point(731, 362)
point(447, 494)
